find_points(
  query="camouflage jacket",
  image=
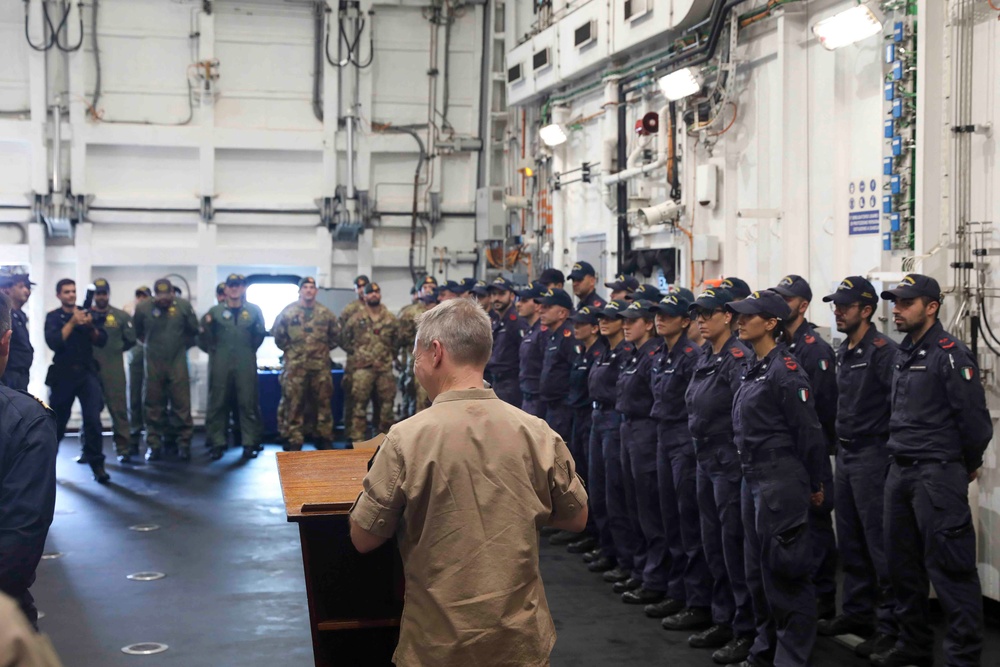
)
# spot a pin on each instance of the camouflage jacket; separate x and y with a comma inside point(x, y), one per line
point(407, 319)
point(370, 340)
point(306, 336)
point(350, 309)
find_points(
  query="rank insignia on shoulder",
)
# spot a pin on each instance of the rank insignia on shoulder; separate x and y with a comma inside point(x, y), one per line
point(968, 372)
point(567, 333)
point(688, 349)
point(738, 353)
point(810, 339)
point(879, 342)
point(790, 364)
point(824, 364)
point(946, 343)
point(803, 395)
point(513, 316)
point(545, 328)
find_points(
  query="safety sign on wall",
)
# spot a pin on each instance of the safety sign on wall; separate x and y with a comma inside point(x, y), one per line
point(863, 216)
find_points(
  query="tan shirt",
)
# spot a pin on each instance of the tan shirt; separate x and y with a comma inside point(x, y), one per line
point(19, 645)
point(465, 485)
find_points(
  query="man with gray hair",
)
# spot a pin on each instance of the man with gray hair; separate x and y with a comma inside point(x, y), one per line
point(464, 486)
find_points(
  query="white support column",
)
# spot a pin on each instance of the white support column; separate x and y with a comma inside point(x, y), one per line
point(207, 280)
point(83, 240)
point(933, 148)
point(36, 308)
point(324, 262)
point(77, 110)
point(206, 112)
point(38, 92)
point(366, 253)
point(792, 144)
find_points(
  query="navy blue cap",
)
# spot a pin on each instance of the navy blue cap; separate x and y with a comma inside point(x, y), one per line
point(853, 289)
point(453, 286)
point(613, 309)
point(672, 305)
point(767, 302)
point(468, 283)
point(639, 308)
point(622, 283)
point(480, 288)
point(534, 290)
point(681, 292)
point(557, 297)
point(794, 286)
point(712, 299)
point(501, 283)
point(647, 292)
point(581, 269)
point(912, 286)
point(585, 315)
point(737, 287)
point(550, 276)
point(101, 286)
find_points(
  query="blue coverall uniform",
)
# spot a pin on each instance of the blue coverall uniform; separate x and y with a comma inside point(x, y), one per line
point(782, 450)
point(21, 352)
point(559, 348)
point(635, 400)
point(530, 370)
point(676, 469)
point(709, 401)
point(864, 380)
point(938, 431)
point(502, 369)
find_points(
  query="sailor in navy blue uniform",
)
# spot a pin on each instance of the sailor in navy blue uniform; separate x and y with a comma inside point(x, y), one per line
point(27, 482)
point(508, 330)
point(530, 351)
point(622, 287)
point(689, 593)
point(737, 288)
point(635, 401)
point(781, 448)
point(559, 348)
point(647, 292)
point(17, 286)
point(584, 279)
point(589, 345)
point(865, 363)
point(817, 359)
point(709, 401)
point(938, 431)
point(70, 333)
point(617, 536)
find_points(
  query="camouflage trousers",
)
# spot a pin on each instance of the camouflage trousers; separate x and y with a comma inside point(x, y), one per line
point(377, 386)
point(305, 405)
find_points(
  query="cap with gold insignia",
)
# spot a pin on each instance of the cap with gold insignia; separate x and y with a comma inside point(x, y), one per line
point(480, 288)
point(307, 280)
point(585, 315)
point(235, 280)
point(622, 283)
point(557, 297)
point(673, 305)
point(640, 308)
point(794, 286)
point(163, 287)
point(912, 286)
point(738, 288)
point(429, 280)
point(501, 284)
point(853, 289)
point(372, 287)
point(712, 299)
point(765, 302)
point(581, 269)
point(101, 286)
point(220, 289)
point(143, 290)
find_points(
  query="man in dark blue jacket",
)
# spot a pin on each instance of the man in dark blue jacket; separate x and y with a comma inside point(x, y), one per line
point(27, 481)
point(558, 349)
point(17, 286)
point(508, 330)
point(939, 429)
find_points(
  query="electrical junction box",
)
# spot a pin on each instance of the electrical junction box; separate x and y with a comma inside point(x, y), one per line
point(706, 184)
point(491, 218)
point(705, 248)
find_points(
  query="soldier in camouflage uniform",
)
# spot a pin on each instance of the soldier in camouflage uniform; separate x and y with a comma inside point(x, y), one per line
point(414, 396)
point(370, 339)
point(137, 382)
point(231, 332)
point(121, 338)
point(353, 307)
point(306, 332)
point(168, 326)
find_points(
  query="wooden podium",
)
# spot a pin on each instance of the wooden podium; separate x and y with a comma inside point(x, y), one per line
point(355, 600)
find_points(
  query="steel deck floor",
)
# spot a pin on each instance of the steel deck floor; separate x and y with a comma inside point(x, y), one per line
point(234, 592)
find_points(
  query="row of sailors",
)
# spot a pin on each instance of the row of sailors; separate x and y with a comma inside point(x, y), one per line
point(708, 461)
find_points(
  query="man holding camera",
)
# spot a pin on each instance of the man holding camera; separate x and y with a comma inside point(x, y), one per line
point(70, 333)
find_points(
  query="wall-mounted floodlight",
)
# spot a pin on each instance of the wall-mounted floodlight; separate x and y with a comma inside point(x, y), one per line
point(552, 135)
point(659, 214)
point(849, 26)
point(680, 84)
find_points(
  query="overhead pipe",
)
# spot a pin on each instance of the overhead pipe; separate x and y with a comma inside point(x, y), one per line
point(56, 148)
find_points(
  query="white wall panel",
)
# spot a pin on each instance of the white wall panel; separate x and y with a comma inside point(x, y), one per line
point(136, 172)
point(15, 169)
point(268, 176)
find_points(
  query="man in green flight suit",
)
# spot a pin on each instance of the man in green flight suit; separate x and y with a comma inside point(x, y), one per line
point(167, 325)
point(370, 339)
point(137, 382)
point(306, 331)
point(111, 361)
point(231, 332)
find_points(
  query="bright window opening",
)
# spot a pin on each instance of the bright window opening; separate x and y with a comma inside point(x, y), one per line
point(272, 299)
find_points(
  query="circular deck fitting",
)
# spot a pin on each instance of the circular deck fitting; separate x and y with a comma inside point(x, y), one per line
point(145, 576)
point(144, 648)
point(144, 527)
point(52, 555)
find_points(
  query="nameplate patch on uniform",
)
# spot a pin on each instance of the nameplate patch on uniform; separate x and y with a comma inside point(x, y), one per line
point(864, 365)
point(918, 368)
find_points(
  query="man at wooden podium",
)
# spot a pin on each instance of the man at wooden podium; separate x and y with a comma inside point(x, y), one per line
point(464, 486)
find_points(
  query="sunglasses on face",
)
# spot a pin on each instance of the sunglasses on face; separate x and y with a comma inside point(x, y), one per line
point(706, 313)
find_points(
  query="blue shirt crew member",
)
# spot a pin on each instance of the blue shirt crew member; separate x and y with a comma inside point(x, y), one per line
point(635, 401)
point(737, 288)
point(689, 590)
point(27, 481)
point(17, 286)
point(938, 431)
point(622, 287)
point(709, 401)
point(508, 330)
point(531, 353)
point(782, 451)
point(865, 364)
point(819, 362)
point(647, 292)
point(558, 349)
point(584, 279)
point(616, 533)
point(70, 333)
